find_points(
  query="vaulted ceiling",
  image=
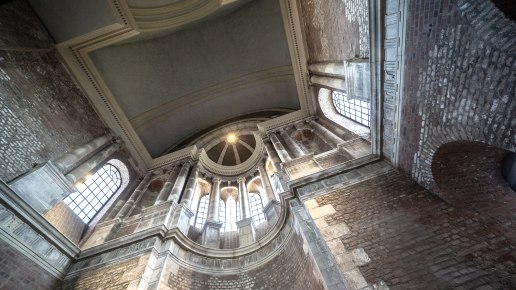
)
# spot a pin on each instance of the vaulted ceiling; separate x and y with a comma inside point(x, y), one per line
point(172, 79)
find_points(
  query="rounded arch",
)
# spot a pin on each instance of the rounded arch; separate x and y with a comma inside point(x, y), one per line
point(328, 109)
point(256, 204)
point(468, 174)
point(98, 192)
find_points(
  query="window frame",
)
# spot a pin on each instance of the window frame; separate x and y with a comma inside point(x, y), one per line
point(204, 202)
point(81, 200)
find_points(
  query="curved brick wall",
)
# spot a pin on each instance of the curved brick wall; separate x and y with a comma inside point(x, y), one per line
point(284, 263)
point(469, 175)
point(460, 71)
point(292, 268)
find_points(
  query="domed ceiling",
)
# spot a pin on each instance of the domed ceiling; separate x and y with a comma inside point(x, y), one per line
point(160, 72)
point(230, 154)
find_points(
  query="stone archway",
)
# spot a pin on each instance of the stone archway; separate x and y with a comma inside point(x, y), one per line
point(469, 175)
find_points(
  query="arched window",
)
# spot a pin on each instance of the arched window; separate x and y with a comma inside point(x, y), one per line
point(93, 194)
point(231, 215)
point(222, 213)
point(256, 208)
point(202, 211)
point(353, 108)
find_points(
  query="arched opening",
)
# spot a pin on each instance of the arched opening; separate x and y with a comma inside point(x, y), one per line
point(328, 106)
point(255, 202)
point(469, 175)
point(202, 211)
point(94, 193)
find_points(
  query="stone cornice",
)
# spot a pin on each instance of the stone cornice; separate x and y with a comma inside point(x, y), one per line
point(173, 15)
point(163, 232)
point(36, 221)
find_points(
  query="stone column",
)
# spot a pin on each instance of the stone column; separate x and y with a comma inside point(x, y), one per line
point(275, 160)
point(71, 159)
point(179, 184)
point(213, 207)
point(131, 202)
point(183, 212)
point(282, 152)
point(246, 229)
point(243, 199)
point(266, 183)
point(82, 170)
point(167, 187)
point(212, 226)
point(325, 134)
point(292, 144)
point(269, 201)
point(191, 185)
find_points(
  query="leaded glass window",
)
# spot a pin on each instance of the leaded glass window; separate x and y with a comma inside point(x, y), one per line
point(231, 215)
point(93, 194)
point(355, 109)
point(222, 213)
point(255, 202)
point(202, 211)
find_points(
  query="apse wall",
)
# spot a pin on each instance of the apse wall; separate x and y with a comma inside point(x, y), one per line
point(285, 263)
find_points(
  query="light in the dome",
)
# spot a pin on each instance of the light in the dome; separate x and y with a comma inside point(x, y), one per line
point(231, 138)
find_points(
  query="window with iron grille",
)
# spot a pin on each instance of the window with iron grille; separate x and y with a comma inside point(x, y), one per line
point(202, 211)
point(232, 213)
point(93, 194)
point(355, 109)
point(255, 202)
point(222, 214)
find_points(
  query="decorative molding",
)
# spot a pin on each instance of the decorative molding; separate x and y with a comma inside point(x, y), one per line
point(347, 176)
point(294, 30)
point(16, 204)
point(163, 111)
point(27, 231)
point(281, 121)
point(173, 15)
point(235, 170)
point(75, 53)
point(298, 160)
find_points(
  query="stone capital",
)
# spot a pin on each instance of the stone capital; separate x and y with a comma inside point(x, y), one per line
point(245, 222)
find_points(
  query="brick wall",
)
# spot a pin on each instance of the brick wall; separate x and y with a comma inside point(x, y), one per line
point(469, 175)
point(43, 113)
point(336, 30)
point(401, 234)
point(62, 217)
point(293, 268)
point(121, 275)
point(460, 70)
point(18, 272)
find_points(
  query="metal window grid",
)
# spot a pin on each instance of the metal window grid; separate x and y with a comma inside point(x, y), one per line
point(93, 194)
point(354, 109)
point(255, 201)
point(202, 211)
point(222, 214)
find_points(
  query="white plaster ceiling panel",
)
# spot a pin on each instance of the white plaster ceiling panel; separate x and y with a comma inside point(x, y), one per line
point(187, 121)
point(143, 75)
point(67, 19)
point(175, 85)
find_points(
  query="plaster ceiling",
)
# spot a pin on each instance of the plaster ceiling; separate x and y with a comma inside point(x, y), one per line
point(175, 82)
